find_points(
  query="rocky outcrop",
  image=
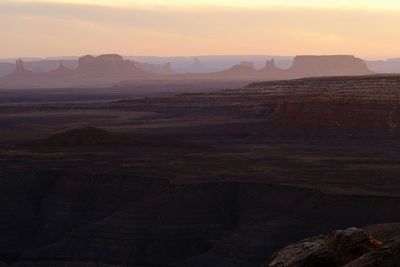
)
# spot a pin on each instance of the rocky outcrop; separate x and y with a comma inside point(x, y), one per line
point(335, 249)
point(387, 255)
point(352, 247)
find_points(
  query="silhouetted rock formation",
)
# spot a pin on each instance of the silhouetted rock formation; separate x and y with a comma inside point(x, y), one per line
point(247, 63)
point(311, 66)
point(333, 250)
point(61, 70)
point(20, 74)
point(19, 68)
point(109, 65)
point(304, 66)
point(91, 71)
point(271, 71)
point(105, 70)
point(243, 69)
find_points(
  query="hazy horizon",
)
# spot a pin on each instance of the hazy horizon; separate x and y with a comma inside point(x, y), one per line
point(76, 57)
point(52, 28)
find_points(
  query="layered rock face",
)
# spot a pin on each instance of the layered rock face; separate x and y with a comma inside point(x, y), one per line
point(334, 107)
point(331, 108)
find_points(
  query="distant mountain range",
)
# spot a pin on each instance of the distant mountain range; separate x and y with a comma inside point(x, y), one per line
point(106, 70)
point(200, 64)
point(195, 64)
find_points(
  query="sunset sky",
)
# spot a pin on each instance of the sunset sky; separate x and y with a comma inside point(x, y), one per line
point(365, 28)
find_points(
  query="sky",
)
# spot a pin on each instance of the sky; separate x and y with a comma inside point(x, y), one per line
point(40, 28)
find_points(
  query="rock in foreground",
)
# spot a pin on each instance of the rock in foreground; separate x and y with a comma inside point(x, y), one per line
point(335, 249)
point(387, 255)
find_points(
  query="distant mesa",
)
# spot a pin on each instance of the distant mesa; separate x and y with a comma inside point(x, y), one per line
point(248, 64)
point(103, 70)
point(244, 68)
point(110, 64)
point(302, 67)
point(339, 65)
point(112, 69)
